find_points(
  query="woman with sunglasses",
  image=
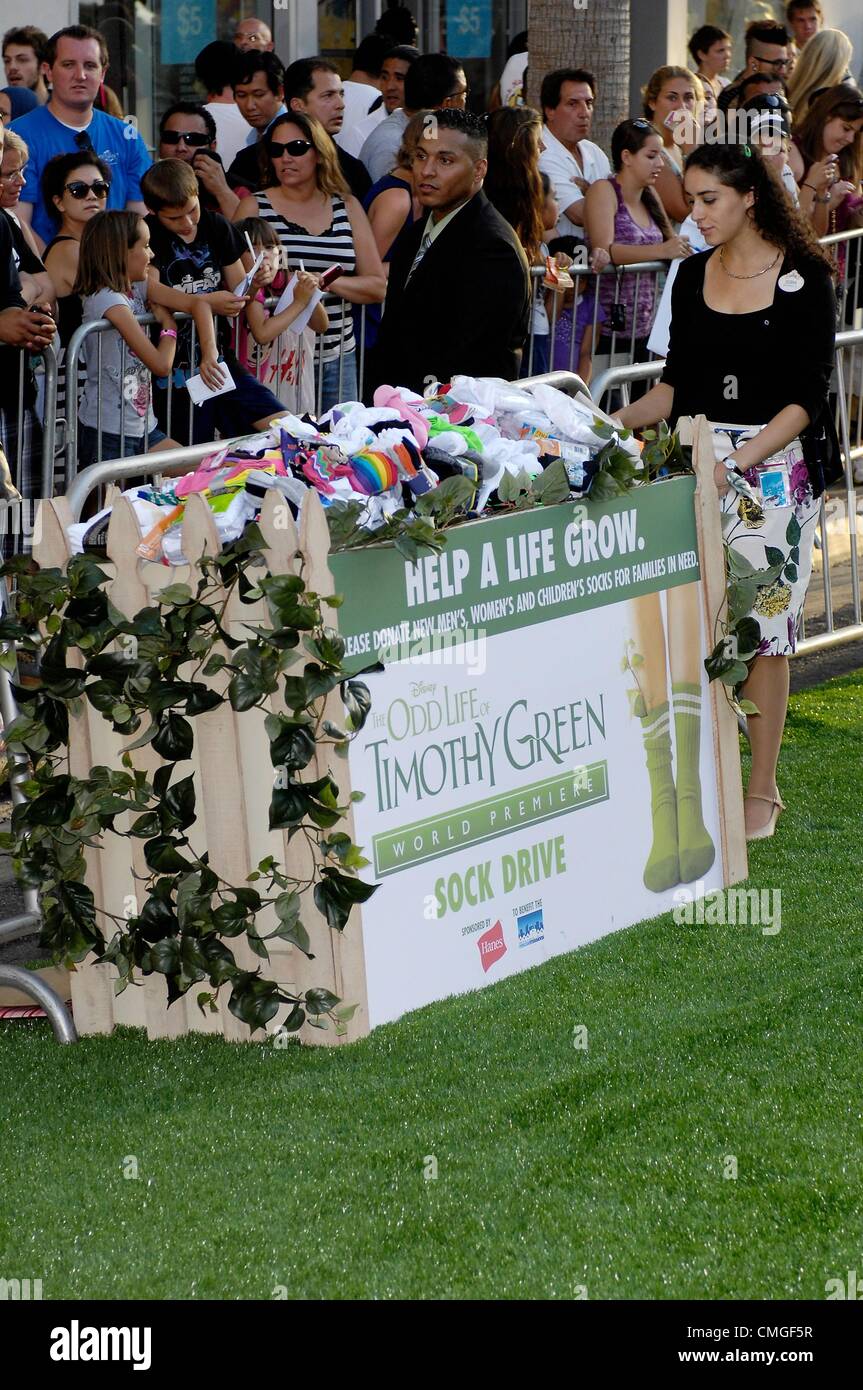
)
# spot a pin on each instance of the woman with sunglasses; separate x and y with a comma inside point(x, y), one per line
point(319, 224)
point(74, 188)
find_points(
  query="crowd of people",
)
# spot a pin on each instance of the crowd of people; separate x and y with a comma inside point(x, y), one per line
point(384, 190)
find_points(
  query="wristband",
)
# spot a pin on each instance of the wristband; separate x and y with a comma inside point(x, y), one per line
point(168, 333)
point(812, 186)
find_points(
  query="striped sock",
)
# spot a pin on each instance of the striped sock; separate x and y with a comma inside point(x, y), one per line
point(696, 849)
point(661, 870)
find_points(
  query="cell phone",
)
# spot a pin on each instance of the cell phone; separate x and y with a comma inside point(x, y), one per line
point(329, 275)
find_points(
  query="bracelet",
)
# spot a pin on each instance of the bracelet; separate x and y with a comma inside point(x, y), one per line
point(812, 186)
point(168, 333)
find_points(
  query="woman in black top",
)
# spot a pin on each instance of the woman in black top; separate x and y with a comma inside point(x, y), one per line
point(751, 347)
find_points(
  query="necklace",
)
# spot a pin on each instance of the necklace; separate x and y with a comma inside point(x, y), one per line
point(746, 277)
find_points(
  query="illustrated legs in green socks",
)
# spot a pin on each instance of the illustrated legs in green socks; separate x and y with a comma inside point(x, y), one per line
point(696, 849)
point(662, 869)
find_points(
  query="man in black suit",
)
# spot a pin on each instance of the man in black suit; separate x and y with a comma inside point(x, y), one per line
point(458, 297)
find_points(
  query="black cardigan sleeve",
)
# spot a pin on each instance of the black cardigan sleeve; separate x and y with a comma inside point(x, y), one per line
point(809, 326)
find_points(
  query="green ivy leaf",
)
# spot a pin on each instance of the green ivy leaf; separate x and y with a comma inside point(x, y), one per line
point(179, 802)
point(175, 594)
point(162, 854)
point(174, 740)
point(319, 1001)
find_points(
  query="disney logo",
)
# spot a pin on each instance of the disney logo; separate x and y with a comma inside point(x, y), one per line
point(421, 688)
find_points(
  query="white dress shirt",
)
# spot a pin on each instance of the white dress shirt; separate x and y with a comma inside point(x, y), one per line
point(358, 98)
point(562, 169)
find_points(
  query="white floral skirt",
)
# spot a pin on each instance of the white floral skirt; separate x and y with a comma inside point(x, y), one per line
point(777, 527)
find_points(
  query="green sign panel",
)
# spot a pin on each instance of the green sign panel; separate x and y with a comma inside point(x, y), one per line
point(505, 572)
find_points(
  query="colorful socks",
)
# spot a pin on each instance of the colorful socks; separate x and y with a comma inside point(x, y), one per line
point(696, 849)
point(662, 869)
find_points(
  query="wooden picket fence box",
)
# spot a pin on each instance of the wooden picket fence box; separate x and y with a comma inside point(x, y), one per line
point(234, 776)
point(233, 782)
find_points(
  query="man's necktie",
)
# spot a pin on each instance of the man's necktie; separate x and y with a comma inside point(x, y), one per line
point(424, 246)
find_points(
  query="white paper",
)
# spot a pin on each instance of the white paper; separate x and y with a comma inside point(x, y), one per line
point(246, 283)
point(200, 391)
point(287, 298)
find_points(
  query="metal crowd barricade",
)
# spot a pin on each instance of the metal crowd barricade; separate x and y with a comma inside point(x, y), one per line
point(846, 342)
point(49, 411)
point(619, 346)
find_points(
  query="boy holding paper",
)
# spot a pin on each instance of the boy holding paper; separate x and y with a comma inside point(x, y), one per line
point(299, 314)
point(197, 252)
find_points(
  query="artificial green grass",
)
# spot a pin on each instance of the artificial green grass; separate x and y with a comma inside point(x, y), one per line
point(302, 1169)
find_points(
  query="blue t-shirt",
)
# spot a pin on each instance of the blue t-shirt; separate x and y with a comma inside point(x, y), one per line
point(116, 142)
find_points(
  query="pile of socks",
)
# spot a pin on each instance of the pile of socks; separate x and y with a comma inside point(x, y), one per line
point(382, 456)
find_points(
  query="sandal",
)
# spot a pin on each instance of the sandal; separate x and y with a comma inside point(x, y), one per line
point(765, 831)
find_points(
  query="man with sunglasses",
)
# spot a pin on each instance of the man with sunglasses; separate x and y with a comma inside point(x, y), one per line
point(76, 60)
point(187, 131)
point(767, 52)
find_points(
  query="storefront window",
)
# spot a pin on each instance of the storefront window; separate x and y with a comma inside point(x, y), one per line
point(153, 47)
point(337, 32)
point(478, 32)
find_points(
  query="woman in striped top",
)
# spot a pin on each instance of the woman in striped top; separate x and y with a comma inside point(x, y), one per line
point(319, 223)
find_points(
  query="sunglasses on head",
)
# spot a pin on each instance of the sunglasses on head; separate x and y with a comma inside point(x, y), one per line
point(79, 189)
point(192, 138)
point(291, 147)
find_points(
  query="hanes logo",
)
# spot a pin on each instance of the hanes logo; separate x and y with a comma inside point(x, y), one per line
point(492, 946)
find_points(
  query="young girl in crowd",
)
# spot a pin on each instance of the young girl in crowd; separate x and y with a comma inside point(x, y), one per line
point(318, 221)
point(112, 281)
point(624, 218)
point(286, 368)
point(575, 315)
